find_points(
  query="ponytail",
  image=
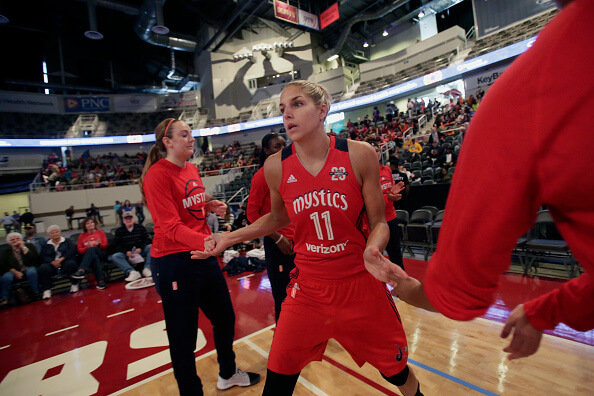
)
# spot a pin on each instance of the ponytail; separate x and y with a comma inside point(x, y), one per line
point(157, 150)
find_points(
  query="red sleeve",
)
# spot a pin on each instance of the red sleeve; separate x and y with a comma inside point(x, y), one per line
point(571, 304)
point(257, 198)
point(498, 186)
point(163, 209)
point(80, 247)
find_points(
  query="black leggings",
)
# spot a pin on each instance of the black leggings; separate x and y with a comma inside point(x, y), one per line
point(278, 280)
point(393, 246)
point(186, 285)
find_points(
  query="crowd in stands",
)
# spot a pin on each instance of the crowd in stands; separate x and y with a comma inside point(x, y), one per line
point(40, 261)
point(104, 170)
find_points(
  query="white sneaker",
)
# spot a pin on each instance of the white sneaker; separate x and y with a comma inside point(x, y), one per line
point(132, 276)
point(46, 294)
point(74, 288)
point(147, 273)
point(240, 378)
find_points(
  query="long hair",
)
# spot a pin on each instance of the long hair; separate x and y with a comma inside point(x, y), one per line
point(156, 153)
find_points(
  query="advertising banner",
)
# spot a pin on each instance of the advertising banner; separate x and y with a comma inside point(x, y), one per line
point(86, 104)
point(492, 16)
point(285, 12)
point(329, 16)
point(28, 103)
point(134, 103)
point(309, 20)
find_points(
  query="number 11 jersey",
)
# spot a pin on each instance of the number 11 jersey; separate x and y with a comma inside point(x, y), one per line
point(326, 211)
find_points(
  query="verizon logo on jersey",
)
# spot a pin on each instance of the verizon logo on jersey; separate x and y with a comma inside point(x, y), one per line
point(194, 199)
point(339, 247)
point(322, 197)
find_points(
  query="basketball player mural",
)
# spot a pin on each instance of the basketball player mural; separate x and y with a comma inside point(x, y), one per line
point(321, 184)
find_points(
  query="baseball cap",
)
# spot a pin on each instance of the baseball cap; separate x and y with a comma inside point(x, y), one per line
point(128, 213)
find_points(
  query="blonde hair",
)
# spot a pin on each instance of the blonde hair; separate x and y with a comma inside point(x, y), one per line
point(162, 130)
point(316, 92)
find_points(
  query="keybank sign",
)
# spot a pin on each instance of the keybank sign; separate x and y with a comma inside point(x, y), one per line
point(85, 104)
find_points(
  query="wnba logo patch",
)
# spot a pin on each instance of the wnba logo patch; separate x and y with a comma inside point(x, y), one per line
point(399, 355)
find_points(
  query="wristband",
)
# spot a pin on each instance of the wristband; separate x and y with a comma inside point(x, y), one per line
point(280, 239)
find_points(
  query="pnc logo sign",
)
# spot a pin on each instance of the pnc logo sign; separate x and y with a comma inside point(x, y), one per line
point(86, 104)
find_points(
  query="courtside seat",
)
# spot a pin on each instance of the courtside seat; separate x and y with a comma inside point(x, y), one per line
point(546, 245)
point(418, 233)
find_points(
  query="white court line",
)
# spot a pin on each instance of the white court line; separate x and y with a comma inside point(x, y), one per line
point(4, 347)
point(314, 389)
point(59, 331)
point(119, 313)
point(144, 381)
point(247, 276)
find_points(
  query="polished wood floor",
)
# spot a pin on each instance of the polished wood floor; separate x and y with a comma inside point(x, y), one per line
point(111, 342)
point(448, 357)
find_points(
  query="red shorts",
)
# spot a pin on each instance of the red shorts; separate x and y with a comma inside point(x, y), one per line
point(358, 312)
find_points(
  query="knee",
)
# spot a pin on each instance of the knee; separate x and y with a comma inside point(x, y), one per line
point(398, 379)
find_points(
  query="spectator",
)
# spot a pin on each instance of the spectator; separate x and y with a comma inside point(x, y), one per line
point(133, 243)
point(213, 222)
point(126, 207)
point(16, 221)
point(376, 115)
point(118, 211)
point(448, 158)
point(18, 262)
point(31, 237)
point(226, 222)
point(69, 214)
point(27, 218)
point(91, 246)
point(94, 213)
point(139, 208)
point(58, 256)
point(8, 222)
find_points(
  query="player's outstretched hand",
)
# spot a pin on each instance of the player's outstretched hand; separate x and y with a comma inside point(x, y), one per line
point(525, 340)
point(381, 268)
point(394, 193)
point(213, 245)
point(218, 207)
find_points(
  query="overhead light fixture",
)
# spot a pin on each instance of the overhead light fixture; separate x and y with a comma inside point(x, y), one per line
point(421, 14)
point(333, 57)
point(93, 33)
point(365, 44)
point(385, 33)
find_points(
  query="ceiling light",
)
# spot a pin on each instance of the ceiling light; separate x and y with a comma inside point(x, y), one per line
point(385, 33)
point(333, 57)
point(365, 44)
point(93, 35)
point(160, 29)
point(421, 14)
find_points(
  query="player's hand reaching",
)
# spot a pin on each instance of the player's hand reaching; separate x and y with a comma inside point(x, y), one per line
point(217, 207)
point(381, 268)
point(213, 246)
point(525, 340)
point(394, 193)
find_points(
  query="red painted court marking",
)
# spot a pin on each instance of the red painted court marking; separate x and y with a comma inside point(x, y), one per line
point(360, 377)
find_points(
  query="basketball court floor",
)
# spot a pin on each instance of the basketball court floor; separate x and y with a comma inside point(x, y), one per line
point(113, 342)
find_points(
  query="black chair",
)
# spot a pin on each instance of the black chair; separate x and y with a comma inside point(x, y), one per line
point(402, 218)
point(432, 209)
point(546, 245)
point(417, 232)
point(417, 165)
point(439, 216)
point(427, 174)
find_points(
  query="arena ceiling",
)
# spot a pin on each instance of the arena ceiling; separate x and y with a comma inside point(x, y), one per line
point(131, 58)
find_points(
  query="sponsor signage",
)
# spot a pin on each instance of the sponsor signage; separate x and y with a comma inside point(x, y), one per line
point(329, 16)
point(86, 104)
point(28, 103)
point(285, 12)
point(309, 20)
point(134, 103)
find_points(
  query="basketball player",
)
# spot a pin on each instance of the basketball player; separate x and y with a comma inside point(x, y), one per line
point(391, 193)
point(487, 213)
point(321, 184)
point(176, 198)
point(278, 246)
